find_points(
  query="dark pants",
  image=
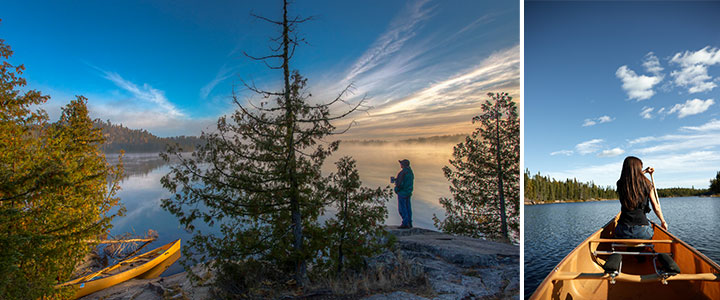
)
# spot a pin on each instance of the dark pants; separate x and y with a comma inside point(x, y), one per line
point(644, 232)
point(405, 210)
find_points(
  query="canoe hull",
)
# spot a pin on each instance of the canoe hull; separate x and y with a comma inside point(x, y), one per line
point(155, 258)
point(580, 275)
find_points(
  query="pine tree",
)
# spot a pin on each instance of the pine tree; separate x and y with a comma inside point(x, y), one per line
point(258, 176)
point(56, 190)
point(356, 231)
point(485, 175)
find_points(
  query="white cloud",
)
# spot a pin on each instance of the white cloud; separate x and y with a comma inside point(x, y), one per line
point(712, 125)
point(146, 93)
point(598, 120)
point(691, 107)
point(644, 139)
point(589, 122)
point(588, 147)
point(611, 152)
point(693, 71)
point(695, 77)
point(562, 152)
point(646, 112)
point(652, 64)
point(605, 119)
point(705, 56)
point(638, 87)
point(671, 170)
point(674, 143)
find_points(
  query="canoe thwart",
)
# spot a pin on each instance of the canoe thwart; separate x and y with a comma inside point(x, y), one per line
point(632, 242)
point(601, 252)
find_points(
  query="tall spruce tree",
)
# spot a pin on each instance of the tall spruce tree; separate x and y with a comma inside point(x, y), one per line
point(485, 175)
point(258, 176)
point(54, 191)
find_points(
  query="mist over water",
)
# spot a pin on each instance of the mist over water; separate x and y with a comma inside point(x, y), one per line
point(142, 192)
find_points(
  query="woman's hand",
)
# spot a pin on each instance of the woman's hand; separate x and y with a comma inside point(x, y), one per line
point(649, 170)
point(664, 225)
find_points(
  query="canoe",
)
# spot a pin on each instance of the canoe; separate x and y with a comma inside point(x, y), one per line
point(146, 265)
point(593, 269)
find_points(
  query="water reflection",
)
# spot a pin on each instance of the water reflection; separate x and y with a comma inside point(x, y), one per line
point(142, 192)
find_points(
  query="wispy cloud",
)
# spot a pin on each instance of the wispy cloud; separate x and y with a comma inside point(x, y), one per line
point(144, 93)
point(646, 112)
point(652, 64)
point(611, 152)
point(401, 30)
point(693, 72)
point(562, 152)
point(712, 125)
point(590, 146)
point(222, 74)
point(446, 106)
point(638, 87)
point(691, 107)
point(598, 120)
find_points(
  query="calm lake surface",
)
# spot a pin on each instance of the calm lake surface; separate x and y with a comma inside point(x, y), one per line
point(553, 230)
point(142, 192)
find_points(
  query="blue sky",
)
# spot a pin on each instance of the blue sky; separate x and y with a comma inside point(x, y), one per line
point(604, 80)
point(170, 66)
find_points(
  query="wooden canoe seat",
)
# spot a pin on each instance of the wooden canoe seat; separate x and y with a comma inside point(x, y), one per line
point(632, 242)
point(630, 246)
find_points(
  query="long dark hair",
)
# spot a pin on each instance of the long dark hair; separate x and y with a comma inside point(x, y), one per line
point(632, 187)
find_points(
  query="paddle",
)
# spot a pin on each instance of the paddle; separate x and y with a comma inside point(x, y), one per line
point(655, 190)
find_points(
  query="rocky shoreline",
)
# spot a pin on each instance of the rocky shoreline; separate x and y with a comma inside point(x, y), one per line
point(456, 267)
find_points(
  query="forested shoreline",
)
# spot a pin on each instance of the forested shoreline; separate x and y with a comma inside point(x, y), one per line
point(120, 138)
point(541, 189)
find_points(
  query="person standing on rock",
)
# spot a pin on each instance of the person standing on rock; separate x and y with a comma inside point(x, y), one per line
point(404, 188)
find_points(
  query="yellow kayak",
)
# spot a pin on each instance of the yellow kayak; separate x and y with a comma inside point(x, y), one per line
point(147, 265)
point(603, 267)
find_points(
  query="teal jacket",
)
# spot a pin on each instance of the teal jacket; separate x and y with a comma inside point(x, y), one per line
point(404, 182)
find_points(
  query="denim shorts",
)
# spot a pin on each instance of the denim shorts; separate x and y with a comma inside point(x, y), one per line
point(644, 232)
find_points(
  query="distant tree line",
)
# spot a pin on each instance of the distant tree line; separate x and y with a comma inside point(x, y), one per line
point(543, 188)
point(540, 188)
point(450, 138)
point(681, 192)
point(119, 137)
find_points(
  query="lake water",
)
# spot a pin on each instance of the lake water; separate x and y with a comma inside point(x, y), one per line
point(142, 192)
point(553, 230)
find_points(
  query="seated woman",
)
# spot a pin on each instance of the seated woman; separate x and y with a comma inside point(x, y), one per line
point(636, 196)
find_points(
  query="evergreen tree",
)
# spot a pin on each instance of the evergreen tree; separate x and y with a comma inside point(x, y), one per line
point(258, 176)
point(485, 175)
point(715, 184)
point(356, 231)
point(54, 191)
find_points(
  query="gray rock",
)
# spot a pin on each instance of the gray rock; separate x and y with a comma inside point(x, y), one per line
point(395, 296)
point(456, 267)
